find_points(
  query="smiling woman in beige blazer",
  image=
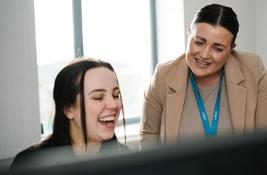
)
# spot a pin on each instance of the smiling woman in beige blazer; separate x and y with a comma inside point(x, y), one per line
point(209, 91)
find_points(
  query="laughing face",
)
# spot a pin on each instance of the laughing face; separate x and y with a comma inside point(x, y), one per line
point(208, 48)
point(102, 106)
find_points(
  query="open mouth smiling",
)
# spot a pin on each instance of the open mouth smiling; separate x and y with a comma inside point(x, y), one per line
point(108, 121)
point(201, 64)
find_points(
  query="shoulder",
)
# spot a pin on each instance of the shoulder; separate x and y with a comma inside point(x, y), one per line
point(39, 156)
point(171, 66)
point(28, 156)
point(165, 72)
point(242, 54)
point(23, 156)
point(247, 59)
point(249, 63)
point(245, 67)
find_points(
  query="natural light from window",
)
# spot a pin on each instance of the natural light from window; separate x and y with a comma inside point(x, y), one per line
point(117, 31)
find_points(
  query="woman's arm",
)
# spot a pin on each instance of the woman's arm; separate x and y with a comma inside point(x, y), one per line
point(261, 109)
point(152, 113)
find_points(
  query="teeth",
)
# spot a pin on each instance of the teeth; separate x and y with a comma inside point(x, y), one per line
point(107, 119)
point(201, 62)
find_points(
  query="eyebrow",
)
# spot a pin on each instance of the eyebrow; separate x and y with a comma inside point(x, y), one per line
point(216, 44)
point(102, 90)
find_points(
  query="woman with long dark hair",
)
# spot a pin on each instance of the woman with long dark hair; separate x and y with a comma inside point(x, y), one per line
point(88, 104)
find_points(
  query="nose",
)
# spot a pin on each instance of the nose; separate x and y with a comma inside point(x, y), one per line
point(112, 102)
point(205, 53)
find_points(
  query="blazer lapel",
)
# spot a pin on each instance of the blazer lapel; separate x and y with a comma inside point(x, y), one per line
point(175, 101)
point(236, 92)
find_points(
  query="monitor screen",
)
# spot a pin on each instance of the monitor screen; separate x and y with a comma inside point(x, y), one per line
point(239, 154)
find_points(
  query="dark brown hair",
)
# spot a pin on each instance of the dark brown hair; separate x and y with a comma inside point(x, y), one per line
point(68, 84)
point(216, 14)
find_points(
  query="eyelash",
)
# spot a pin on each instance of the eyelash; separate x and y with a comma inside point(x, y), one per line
point(116, 96)
point(216, 49)
point(100, 98)
point(198, 43)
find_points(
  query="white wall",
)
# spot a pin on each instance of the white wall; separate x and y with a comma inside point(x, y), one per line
point(19, 104)
point(251, 15)
point(260, 29)
point(170, 29)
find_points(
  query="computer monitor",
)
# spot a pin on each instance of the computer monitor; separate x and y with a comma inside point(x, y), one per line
point(239, 154)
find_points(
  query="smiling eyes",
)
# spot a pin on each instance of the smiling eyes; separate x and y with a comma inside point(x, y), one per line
point(198, 43)
point(216, 48)
point(100, 95)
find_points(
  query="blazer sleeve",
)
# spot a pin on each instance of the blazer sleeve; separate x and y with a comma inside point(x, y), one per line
point(152, 112)
point(261, 109)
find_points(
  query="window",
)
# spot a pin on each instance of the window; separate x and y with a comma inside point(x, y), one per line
point(117, 31)
point(54, 45)
point(170, 29)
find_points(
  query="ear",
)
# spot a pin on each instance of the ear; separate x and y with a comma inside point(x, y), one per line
point(233, 45)
point(188, 31)
point(68, 111)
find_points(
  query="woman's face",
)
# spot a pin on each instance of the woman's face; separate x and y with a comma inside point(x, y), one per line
point(102, 105)
point(208, 48)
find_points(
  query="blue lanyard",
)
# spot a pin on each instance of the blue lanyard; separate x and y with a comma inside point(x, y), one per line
point(209, 130)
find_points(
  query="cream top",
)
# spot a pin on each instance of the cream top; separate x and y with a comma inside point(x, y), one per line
point(191, 124)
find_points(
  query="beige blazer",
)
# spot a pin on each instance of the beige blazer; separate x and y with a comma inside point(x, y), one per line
point(246, 87)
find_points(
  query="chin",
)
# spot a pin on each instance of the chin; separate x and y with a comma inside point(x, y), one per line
point(108, 136)
point(198, 72)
